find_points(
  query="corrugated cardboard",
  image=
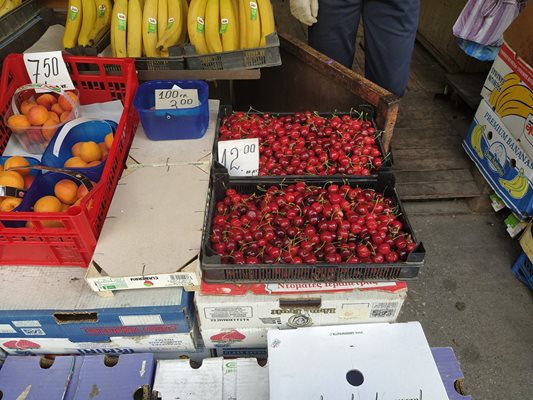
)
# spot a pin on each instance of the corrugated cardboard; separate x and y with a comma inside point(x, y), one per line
point(295, 305)
point(509, 85)
point(370, 361)
point(43, 302)
point(33, 378)
point(153, 230)
point(101, 379)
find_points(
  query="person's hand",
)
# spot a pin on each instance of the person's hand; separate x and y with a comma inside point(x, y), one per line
point(305, 11)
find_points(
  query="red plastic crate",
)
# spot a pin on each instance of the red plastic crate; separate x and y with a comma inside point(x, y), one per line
point(98, 80)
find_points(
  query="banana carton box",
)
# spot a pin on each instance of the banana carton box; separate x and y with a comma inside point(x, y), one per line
point(501, 159)
point(509, 85)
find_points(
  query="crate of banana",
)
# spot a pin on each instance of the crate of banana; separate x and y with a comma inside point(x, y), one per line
point(14, 14)
point(231, 34)
point(87, 26)
point(150, 31)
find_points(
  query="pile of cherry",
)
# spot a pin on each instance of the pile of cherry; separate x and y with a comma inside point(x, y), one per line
point(302, 223)
point(307, 143)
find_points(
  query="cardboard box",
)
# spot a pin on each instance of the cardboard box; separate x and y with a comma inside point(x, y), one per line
point(509, 85)
point(165, 345)
point(393, 361)
point(450, 372)
point(62, 306)
point(122, 377)
point(235, 338)
point(296, 305)
point(153, 241)
point(34, 378)
point(239, 379)
point(501, 159)
point(228, 352)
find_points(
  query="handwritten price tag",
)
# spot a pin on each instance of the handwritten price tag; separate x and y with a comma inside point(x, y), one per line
point(240, 157)
point(176, 98)
point(49, 68)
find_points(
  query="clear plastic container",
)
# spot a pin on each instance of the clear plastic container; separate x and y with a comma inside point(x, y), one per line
point(172, 124)
point(34, 132)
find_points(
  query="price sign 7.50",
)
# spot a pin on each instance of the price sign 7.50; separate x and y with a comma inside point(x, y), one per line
point(240, 157)
point(48, 68)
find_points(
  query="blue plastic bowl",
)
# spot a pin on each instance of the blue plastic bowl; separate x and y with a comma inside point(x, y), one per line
point(87, 131)
point(183, 123)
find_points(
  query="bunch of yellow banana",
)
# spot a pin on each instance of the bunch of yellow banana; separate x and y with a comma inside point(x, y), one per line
point(147, 27)
point(8, 5)
point(518, 186)
point(513, 97)
point(475, 139)
point(86, 21)
point(216, 26)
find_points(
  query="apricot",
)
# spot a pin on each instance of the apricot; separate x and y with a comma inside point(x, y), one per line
point(65, 116)
point(104, 149)
point(47, 204)
point(18, 123)
point(46, 100)
point(54, 116)
point(49, 128)
point(76, 149)
point(66, 191)
point(37, 115)
point(65, 104)
point(11, 179)
point(26, 105)
point(90, 151)
point(56, 109)
point(18, 161)
point(10, 203)
point(109, 140)
point(75, 162)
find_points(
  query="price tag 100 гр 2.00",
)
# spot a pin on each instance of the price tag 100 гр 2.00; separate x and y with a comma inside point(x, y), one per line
point(166, 99)
point(240, 157)
point(49, 68)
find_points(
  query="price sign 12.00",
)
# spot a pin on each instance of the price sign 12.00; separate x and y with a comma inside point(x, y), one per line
point(240, 157)
point(48, 68)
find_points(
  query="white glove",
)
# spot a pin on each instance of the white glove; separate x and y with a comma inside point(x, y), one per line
point(305, 11)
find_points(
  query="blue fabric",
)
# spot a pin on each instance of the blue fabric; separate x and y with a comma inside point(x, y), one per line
point(390, 31)
point(478, 51)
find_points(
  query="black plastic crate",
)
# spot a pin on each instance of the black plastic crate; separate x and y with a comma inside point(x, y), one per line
point(14, 20)
point(99, 45)
point(364, 109)
point(260, 57)
point(213, 270)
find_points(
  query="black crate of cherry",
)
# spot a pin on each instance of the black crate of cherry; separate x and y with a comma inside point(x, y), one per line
point(331, 230)
point(307, 144)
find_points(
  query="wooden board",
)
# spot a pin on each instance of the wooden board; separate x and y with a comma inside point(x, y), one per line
point(467, 87)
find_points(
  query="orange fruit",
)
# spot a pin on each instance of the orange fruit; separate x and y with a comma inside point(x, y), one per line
point(109, 140)
point(10, 203)
point(18, 123)
point(75, 162)
point(18, 161)
point(65, 116)
point(54, 116)
point(11, 179)
point(82, 190)
point(56, 109)
point(65, 104)
point(26, 105)
point(37, 115)
point(49, 128)
point(90, 151)
point(104, 149)
point(66, 191)
point(76, 149)
point(47, 204)
point(28, 180)
point(46, 100)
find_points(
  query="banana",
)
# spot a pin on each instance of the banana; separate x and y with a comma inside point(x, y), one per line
point(118, 28)
point(212, 26)
point(9, 5)
point(241, 7)
point(162, 18)
point(134, 36)
point(196, 25)
point(149, 28)
point(229, 27)
point(174, 25)
point(184, 11)
point(475, 138)
point(103, 18)
point(518, 186)
point(267, 20)
point(73, 24)
point(87, 22)
point(253, 24)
